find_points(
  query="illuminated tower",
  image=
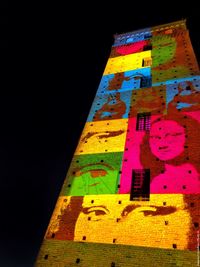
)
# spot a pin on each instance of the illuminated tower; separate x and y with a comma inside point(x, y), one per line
point(131, 194)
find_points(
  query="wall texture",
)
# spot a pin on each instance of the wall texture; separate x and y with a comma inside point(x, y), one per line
point(131, 196)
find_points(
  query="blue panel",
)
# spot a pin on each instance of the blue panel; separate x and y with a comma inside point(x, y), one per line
point(129, 80)
point(110, 106)
point(132, 37)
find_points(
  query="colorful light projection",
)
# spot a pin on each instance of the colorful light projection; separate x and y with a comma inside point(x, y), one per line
point(109, 218)
point(132, 37)
point(172, 55)
point(103, 136)
point(130, 48)
point(93, 174)
point(141, 135)
point(169, 150)
point(124, 81)
point(110, 106)
point(128, 62)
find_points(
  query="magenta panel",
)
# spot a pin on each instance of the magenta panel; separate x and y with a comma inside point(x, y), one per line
point(170, 150)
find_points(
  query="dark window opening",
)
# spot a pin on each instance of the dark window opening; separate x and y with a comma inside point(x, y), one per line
point(77, 260)
point(174, 246)
point(147, 36)
point(147, 47)
point(140, 187)
point(143, 121)
point(112, 264)
point(46, 256)
point(146, 82)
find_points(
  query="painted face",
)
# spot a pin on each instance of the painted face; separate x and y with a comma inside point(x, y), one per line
point(167, 139)
point(104, 220)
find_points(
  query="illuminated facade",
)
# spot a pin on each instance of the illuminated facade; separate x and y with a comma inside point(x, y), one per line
point(131, 194)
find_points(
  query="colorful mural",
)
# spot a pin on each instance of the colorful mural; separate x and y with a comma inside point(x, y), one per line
point(131, 195)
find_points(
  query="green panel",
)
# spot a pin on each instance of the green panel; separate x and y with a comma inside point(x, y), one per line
point(93, 174)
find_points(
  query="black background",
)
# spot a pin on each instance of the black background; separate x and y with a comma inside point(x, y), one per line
point(58, 57)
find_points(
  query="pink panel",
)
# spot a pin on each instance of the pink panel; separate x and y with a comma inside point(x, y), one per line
point(132, 48)
point(171, 150)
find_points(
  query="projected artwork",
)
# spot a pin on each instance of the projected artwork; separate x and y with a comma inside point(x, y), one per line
point(110, 106)
point(131, 195)
point(124, 81)
point(128, 62)
point(130, 48)
point(103, 136)
point(104, 219)
point(172, 59)
point(184, 95)
point(93, 174)
point(170, 150)
point(150, 100)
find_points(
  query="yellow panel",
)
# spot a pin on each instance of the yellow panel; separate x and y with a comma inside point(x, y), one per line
point(133, 226)
point(126, 63)
point(103, 136)
point(161, 222)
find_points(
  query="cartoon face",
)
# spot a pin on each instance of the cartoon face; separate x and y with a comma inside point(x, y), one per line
point(167, 139)
point(105, 219)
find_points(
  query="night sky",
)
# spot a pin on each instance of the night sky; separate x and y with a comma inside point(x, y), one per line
point(58, 68)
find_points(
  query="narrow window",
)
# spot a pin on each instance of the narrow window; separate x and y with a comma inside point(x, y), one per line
point(147, 47)
point(143, 121)
point(140, 187)
point(146, 62)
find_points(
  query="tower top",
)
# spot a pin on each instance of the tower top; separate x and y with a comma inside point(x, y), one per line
point(146, 33)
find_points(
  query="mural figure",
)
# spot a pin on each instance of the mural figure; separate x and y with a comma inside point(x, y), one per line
point(171, 150)
point(188, 99)
point(114, 107)
point(116, 82)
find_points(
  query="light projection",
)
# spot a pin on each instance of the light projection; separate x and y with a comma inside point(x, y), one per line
point(125, 81)
point(131, 196)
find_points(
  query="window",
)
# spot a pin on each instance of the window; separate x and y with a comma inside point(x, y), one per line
point(140, 187)
point(147, 36)
point(146, 82)
point(143, 121)
point(147, 47)
point(146, 62)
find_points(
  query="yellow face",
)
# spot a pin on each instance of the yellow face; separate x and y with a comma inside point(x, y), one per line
point(103, 136)
point(115, 219)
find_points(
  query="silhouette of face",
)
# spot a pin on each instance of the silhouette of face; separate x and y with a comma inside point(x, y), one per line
point(167, 139)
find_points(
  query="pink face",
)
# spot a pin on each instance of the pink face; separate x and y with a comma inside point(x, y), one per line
point(167, 139)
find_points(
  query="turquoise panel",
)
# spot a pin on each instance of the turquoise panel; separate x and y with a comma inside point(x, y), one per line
point(132, 37)
point(110, 106)
point(129, 80)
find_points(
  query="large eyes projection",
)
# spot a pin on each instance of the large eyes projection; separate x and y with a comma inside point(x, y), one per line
point(96, 213)
point(147, 210)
